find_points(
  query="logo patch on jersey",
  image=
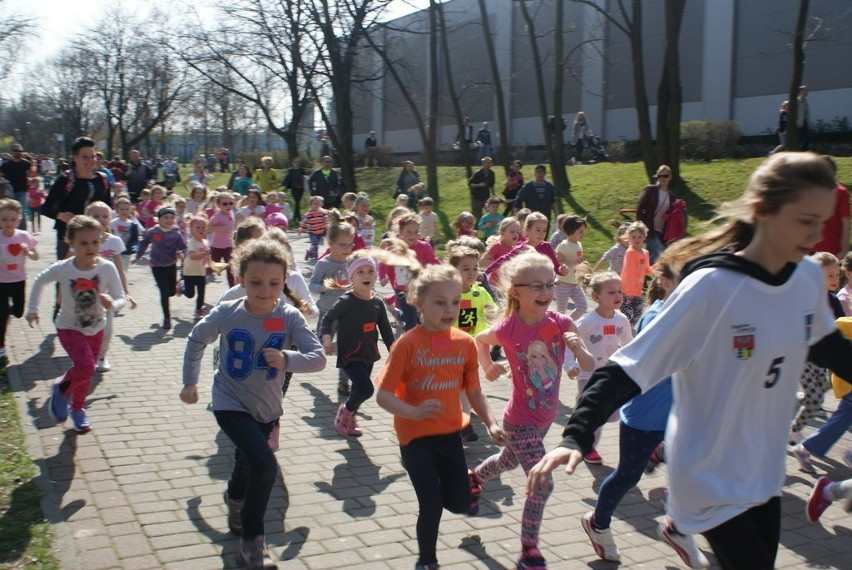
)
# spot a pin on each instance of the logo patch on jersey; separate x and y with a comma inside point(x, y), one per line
point(809, 326)
point(467, 318)
point(744, 346)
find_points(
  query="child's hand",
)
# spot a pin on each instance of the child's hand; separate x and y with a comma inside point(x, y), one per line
point(32, 318)
point(574, 372)
point(274, 358)
point(189, 394)
point(428, 410)
point(179, 256)
point(573, 342)
point(328, 347)
point(106, 300)
point(494, 372)
point(497, 434)
point(384, 281)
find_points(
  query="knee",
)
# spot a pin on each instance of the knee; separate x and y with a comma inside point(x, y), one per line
point(367, 390)
point(85, 369)
point(265, 469)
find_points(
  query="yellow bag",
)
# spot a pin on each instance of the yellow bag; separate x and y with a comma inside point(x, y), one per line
point(841, 387)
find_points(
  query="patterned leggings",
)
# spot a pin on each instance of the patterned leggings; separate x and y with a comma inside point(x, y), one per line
point(814, 383)
point(632, 309)
point(525, 448)
point(573, 292)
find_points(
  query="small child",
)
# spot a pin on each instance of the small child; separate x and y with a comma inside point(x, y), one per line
point(844, 295)
point(221, 229)
point(253, 205)
point(570, 254)
point(89, 285)
point(534, 232)
point(348, 200)
point(521, 216)
point(615, 254)
point(402, 201)
point(195, 264)
point(179, 204)
point(428, 219)
point(490, 222)
point(15, 247)
point(637, 265)
point(465, 225)
point(366, 223)
point(35, 200)
point(558, 235)
point(314, 222)
point(426, 372)
point(127, 227)
point(509, 233)
point(197, 200)
point(254, 334)
point(167, 247)
point(359, 316)
point(148, 208)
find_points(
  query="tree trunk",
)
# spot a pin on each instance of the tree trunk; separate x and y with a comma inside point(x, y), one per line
point(670, 93)
point(430, 152)
point(502, 121)
point(451, 90)
point(643, 115)
point(792, 134)
point(557, 160)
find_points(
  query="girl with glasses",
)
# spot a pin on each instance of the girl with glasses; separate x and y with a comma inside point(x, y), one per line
point(221, 229)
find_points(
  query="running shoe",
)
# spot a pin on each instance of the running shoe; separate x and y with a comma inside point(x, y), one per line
point(531, 559)
point(683, 544)
point(804, 458)
point(817, 503)
point(103, 365)
point(81, 421)
point(421, 566)
point(475, 492)
point(656, 458)
point(601, 539)
point(593, 458)
point(57, 404)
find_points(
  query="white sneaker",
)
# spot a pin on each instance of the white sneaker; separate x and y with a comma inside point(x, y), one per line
point(103, 365)
point(804, 458)
point(683, 544)
point(601, 539)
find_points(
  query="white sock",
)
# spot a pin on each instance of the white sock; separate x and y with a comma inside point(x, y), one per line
point(838, 490)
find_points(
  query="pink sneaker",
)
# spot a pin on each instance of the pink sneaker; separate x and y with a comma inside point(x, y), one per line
point(354, 429)
point(475, 492)
point(531, 559)
point(817, 503)
point(593, 458)
point(341, 420)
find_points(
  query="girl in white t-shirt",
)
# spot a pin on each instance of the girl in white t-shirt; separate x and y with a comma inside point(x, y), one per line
point(734, 335)
point(15, 247)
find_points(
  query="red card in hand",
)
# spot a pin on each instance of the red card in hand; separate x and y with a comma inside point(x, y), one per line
point(273, 324)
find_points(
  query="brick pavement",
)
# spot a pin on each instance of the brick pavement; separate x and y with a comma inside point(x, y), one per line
point(143, 490)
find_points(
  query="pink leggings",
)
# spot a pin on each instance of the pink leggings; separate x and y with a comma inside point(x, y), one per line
point(83, 351)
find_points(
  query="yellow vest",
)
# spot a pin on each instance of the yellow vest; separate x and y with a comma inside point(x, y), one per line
point(841, 387)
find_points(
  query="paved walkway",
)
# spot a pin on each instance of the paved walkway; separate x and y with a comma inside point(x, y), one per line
point(143, 490)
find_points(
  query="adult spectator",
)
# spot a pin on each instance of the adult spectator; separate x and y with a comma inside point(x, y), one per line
point(224, 157)
point(483, 141)
point(803, 117)
point(782, 128)
point(118, 168)
point(654, 203)
point(407, 178)
point(75, 189)
point(538, 194)
point(16, 171)
point(370, 145)
point(171, 173)
point(835, 233)
point(579, 133)
point(514, 183)
point(265, 176)
point(481, 186)
point(139, 175)
point(325, 147)
point(294, 181)
point(325, 182)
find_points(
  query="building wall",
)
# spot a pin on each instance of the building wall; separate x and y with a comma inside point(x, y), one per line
point(735, 64)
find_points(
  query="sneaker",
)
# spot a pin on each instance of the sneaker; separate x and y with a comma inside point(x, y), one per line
point(57, 404)
point(593, 458)
point(179, 289)
point(804, 458)
point(4, 358)
point(601, 539)
point(475, 492)
point(235, 524)
point(167, 324)
point(354, 429)
point(343, 388)
point(468, 434)
point(656, 458)
point(81, 421)
point(253, 554)
point(421, 566)
point(531, 559)
point(103, 365)
point(341, 420)
point(817, 503)
point(683, 544)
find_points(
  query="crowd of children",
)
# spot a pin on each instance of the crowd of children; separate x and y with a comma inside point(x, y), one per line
point(446, 304)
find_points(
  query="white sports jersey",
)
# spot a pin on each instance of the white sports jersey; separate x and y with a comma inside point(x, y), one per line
point(736, 347)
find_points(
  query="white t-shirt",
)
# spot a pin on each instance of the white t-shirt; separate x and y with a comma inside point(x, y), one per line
point(111, 246)
point(602, 337)
point(736, 347)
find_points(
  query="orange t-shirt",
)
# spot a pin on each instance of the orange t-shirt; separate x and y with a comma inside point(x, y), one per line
point(633, 271)
point(422, 366)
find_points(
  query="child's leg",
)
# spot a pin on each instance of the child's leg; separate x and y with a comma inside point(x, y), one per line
point(503, 460)
point(832, 430)
point(110, 318)
point(813, 384)
point(166, 279)
point(409, 313)
point(83, 351)
point(580, 303)
point(562, 294)
point(223, 254)
point(749, 540)
point(529, 449)
point(362, 385)
point(634, 449)
point(255, 468)
point(13, 293)
point(438, 472)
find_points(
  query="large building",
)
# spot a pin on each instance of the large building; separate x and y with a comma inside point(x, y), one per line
point(736, 64)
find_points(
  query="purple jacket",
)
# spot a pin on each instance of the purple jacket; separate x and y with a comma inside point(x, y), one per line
point(164, 246)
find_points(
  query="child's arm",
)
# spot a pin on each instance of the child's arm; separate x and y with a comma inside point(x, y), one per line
point(31, 252)
point(202, 334)
point(428, 410)
point(327, 325)
point(575, 344)
point(42, 279)
point(385, 328)
point(308, 355)
point(122, 276)
point(484, 341)
point(113, 299)
point(479, 403)
point(143, 245)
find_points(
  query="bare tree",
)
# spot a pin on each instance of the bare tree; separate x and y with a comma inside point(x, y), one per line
point(799, 40)
point(15, 29)
point(464, 146)
point(670, 91)
point(497, 84)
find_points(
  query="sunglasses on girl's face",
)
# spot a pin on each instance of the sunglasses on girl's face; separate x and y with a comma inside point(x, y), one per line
point(226, 203)
point(664, 175)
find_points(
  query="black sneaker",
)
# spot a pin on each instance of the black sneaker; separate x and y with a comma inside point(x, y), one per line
point(343, 388)
point(167, 324)
point(468, 434)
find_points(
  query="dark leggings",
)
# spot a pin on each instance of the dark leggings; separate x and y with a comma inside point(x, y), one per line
point(166, 278)
point(223, 254)
point(192, 283)
point(14, 293)
point(438, 471)
point(255, 468)
point(409, 313)
point(362, 385)
point(748, 541)
point(635, 447)
point(297, 204)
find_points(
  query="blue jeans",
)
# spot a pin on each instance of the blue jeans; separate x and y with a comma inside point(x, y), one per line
point(362, 385)
point(255, 468)
point(23, 199)
point(654, 245)
point(409, 313)
point(438, 472)
point(821, 441)
point(634, 450)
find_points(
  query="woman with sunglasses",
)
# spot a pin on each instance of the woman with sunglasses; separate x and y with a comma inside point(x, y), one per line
point(654, 203)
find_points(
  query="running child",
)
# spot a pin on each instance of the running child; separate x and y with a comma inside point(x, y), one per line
point(358, 317)
point(366, 223)
point(221, 228)
point(195, 264)
point(89, 286)
point(509, 233)
point(535, 340)
point(533, 234)
point(465, 225)
point(167, 247)
point(844, 295)
point(315, 222)
point(569, 252)
point(127, 227)
point(147, 209)
point(615, 255)
point(428, 219)
point(637, 265)
point(246, 396)
point(737, 330)
point(15, 247)
point(489, 223)
point(35, 200)
point(197, 200)
point(426, 372)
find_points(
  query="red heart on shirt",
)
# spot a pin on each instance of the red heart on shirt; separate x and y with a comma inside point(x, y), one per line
point(14, 248)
